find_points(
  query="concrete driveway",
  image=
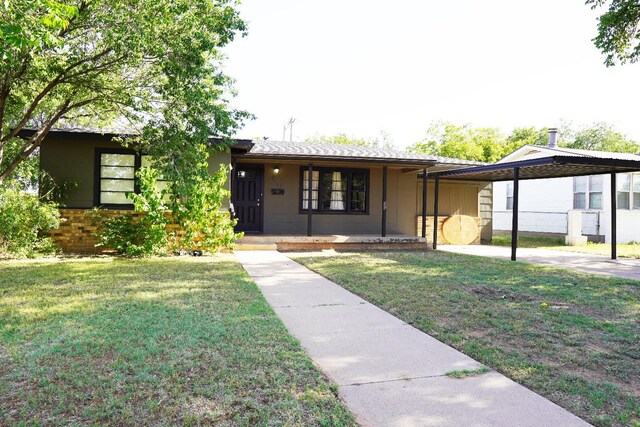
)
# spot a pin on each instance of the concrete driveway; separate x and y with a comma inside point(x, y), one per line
point(390, 373)
point(624, 267)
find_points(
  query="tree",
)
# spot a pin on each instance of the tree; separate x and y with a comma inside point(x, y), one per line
point(618, 30)
point(489, 145)
point(603, 137)
point(342, 138)
point(153, 66)
point(462, 142)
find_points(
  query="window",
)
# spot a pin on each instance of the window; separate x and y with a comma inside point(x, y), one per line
point(115, 176)
point(587, 192)
point(628, 190)
point(335, 190)
point(595, 192)
point(509, 196)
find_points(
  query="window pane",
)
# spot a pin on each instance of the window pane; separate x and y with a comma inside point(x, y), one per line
point(623, 181)
point(359, 191)
point(118, 159)
point(636, 200)
point(636, 182)
point(116, 185)
point(315, 177)
point(595, 200)
point(146, 161)
point(579, 201)
point(595, 183)
point(623, 200)
point(117, 172)
point(509, 189)
point(579, 184)
point(509, 203)
point(358, 201)
point(334, 191)
point(114, 198)
point(162, 185)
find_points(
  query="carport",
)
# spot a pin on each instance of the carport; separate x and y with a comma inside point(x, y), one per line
point(538, 168)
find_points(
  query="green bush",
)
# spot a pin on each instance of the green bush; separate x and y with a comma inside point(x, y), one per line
point(24, 220)
point(206, 227)
point(142, 232)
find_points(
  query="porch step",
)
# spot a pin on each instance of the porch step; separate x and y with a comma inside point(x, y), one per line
point(256, 247)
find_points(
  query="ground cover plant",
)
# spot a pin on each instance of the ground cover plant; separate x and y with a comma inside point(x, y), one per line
point(159, 341)
point(624, 250)
point(572, 337)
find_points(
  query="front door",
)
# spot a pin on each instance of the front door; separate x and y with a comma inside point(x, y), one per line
point(247, 198)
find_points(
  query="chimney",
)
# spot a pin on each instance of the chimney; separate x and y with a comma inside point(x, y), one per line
point(553, 135)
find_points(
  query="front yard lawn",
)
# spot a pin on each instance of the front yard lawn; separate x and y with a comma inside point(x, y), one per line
point(186, 341)
point(572, 337)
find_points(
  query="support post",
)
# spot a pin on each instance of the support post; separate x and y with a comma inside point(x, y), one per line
point(514, 219)
point(310, 200)
point(436, 193)
point(614, 217)
point(384, 201)
point(424, 203)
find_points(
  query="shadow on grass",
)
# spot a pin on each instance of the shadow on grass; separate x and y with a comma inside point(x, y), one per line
point(160, 341)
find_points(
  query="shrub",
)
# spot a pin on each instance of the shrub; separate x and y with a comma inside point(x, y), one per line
point(142, 232)
point(24, 220)
point(206, 227)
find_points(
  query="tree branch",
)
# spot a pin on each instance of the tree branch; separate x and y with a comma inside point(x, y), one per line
point(60, 78)
point(36, 139)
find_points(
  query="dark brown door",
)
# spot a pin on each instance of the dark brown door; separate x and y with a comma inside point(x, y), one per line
point(247, 198)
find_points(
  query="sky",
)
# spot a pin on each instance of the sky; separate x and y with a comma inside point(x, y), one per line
point(364, 68)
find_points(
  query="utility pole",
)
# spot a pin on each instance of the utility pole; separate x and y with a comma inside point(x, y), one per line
point(289, 125)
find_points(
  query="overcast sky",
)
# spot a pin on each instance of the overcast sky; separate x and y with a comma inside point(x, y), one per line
point(365, 67)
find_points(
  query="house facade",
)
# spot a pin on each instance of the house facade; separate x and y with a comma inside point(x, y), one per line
point(351, 190)
point(545, 203)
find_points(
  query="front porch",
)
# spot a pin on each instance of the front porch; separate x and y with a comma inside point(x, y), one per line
point(286, 243)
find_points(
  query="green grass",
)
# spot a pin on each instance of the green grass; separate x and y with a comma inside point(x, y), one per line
point(624, 250)
point(464, 373)
point(527, 242)
point(173, 341)
point(572, 337)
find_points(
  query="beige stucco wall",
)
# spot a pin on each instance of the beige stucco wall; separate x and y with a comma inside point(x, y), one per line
point(72, 159)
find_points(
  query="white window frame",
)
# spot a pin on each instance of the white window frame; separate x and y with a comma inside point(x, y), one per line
point(588, 192)
point(632, 194)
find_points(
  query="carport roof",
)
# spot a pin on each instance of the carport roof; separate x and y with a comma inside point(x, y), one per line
point(544, 167)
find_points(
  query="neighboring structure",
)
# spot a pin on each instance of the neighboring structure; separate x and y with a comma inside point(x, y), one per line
point(545, 203)
point(352, 190)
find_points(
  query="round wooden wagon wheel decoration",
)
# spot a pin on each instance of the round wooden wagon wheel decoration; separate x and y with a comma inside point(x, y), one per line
point(460, 230)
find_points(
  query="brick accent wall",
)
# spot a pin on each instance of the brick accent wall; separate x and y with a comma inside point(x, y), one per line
point(76, 231)
point(75, 234)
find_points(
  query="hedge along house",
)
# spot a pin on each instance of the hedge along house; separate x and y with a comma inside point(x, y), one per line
point(285, 192)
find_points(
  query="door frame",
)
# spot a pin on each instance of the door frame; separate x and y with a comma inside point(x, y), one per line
point(260, 169)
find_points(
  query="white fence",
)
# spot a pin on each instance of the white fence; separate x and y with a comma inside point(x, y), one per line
point(546, 222)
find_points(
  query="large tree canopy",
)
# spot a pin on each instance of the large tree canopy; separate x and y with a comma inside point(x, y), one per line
point(149, 65)
point(618, 30)
point(490, 145)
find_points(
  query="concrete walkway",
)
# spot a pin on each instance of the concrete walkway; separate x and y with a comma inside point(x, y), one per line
point(389, 373)
point(597, 264)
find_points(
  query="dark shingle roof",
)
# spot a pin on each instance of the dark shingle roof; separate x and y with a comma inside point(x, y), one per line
point(343, 151)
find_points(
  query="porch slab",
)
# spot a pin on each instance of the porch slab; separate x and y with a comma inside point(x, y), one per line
point(334, 241)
